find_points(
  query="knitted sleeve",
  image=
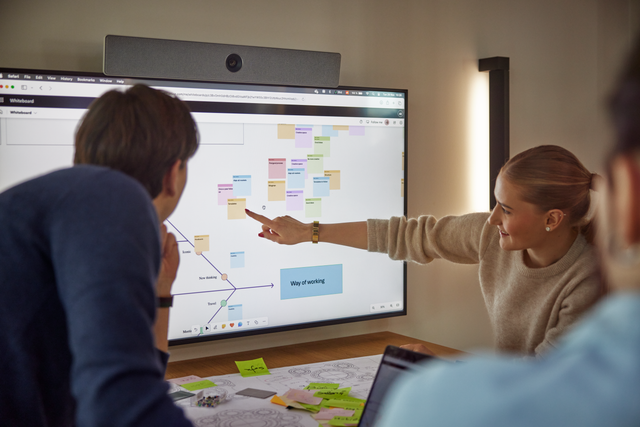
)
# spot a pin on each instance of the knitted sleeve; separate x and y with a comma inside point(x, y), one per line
point(459, 239)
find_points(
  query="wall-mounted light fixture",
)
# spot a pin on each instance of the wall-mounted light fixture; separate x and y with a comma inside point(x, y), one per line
point(498, 67)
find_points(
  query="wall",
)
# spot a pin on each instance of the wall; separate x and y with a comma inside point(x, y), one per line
point(564, 55)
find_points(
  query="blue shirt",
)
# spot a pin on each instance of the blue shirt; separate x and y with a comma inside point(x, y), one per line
point(79, 256)
point(592, 379)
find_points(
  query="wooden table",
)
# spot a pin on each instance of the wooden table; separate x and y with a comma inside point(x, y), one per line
point(298, 354)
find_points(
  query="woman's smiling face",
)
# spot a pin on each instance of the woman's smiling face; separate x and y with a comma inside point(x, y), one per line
point(521, 224)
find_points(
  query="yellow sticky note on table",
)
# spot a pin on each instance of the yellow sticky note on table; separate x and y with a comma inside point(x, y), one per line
point(198, 385)
point(253, 368)
point(276, 399)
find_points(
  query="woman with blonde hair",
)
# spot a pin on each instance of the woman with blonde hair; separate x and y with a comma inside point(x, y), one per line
point(537, 268)
point(593, 378)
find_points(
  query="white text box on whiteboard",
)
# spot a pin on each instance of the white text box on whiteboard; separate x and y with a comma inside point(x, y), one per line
point(221, 133)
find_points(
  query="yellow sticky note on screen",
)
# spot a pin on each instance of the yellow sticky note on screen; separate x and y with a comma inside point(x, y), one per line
point(198, 385)
point(253, 368)
point(201, 244)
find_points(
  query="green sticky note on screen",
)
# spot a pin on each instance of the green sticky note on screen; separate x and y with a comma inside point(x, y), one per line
point(198, 385)
point(253, 368)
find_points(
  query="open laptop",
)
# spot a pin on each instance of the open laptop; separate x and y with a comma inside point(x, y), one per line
point(395, 360)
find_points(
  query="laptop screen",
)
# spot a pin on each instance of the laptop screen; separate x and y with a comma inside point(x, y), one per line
point(394, 362)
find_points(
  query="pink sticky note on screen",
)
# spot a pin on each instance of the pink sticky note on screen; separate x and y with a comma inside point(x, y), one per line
point(303, 397)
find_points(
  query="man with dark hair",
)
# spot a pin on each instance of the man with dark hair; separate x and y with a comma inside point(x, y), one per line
point(141, 132)
point(83, 341)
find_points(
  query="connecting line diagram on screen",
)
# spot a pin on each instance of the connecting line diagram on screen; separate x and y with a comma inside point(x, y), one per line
point(223, 276)
point(294, 181)
point(310, 172)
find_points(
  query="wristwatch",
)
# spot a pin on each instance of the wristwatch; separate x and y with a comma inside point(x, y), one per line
point(316, 229)
point(165, 302)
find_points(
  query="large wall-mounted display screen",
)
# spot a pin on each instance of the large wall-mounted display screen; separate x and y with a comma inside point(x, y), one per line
point(315, 154)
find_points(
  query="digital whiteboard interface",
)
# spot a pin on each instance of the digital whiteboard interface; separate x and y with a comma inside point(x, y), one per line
point(315, 154)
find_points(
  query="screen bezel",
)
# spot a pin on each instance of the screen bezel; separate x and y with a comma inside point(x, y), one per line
point(272, 88)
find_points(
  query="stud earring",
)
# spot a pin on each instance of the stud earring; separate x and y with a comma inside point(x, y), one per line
point(548, 228)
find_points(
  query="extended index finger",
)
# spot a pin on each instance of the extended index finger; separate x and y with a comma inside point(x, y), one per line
point(260, 218)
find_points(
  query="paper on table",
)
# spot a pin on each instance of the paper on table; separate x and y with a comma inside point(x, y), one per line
point(253, 368)
point(281, 380)
point(198, 385)
point(184, 380)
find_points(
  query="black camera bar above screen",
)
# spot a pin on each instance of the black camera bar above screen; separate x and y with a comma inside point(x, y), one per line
point(313, 153)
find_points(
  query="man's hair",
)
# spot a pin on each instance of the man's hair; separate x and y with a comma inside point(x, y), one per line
point(141, 132)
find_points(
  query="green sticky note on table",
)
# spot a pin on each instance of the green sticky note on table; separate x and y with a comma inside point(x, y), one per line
point(332, 394)
point(342, 402)
point(198, 385)
point(344, 421)
point(253, 368)
point(321, 386)
point(312, 408)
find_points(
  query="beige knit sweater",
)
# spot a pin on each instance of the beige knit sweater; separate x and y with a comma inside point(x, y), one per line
point(529, 308)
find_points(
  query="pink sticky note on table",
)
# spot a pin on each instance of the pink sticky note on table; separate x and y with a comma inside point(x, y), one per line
point(185, 380)
point(327, 414)
point(303, 397)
